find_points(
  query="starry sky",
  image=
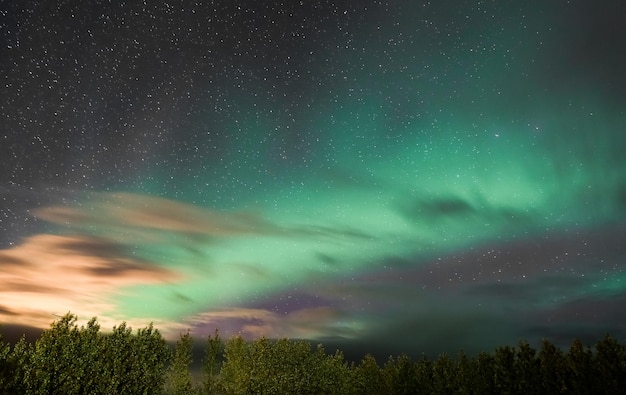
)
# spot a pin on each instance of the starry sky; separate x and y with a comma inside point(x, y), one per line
point(384, 176)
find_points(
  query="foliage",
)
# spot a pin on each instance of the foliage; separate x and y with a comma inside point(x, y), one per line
point(610, 364)
point(280, 367)
point(57, 365)
point(7, 366)
point(368, 377)
point(67, 359)
point(178, 379)
point(444, 373)
point(212, 364)
point(152, 355)
point(580, 366)
point(19, 364)
point(504, 370)
point(553, 371)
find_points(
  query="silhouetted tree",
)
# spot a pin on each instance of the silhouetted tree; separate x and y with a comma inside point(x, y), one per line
point(504, 374)
point(485, 381)
point(553, 369)
point(466, 372)
point(527, 370)
point(580, 366)
point(610, 365)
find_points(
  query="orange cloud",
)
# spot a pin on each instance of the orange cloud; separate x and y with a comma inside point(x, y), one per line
point(50, 274)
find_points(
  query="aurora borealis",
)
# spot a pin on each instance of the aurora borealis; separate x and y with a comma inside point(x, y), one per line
point(402, 176)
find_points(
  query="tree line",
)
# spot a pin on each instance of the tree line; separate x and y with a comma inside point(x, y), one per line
point(67, 359)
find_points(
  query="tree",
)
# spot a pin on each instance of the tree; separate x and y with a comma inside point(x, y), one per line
point(179, 380)
point(112, 362)
point(212, 363)
point(553, 369)
point(424, 375)
point(580, 367)
point(291, 362)
point(263, 375)
point(71, 360)
point(610, 364)
point(89, 346)
point(237, 368)
point(20, 362)
point(485, 382)
point(5, 366)
point(369, 377)
point(152, 355)
point(400, 375)
point(67, 359)
point(117, 357)
point(504, 358)
point(57, 365)
point(330, 373)
point(444, 375)
point(131, 364)
point(14, 366)
point(282, 367)
point(527, 368)
point(466, 373)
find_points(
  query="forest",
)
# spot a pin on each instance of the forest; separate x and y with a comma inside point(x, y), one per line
point(68, 359)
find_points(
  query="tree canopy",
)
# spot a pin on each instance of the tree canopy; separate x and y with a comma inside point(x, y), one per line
point(67, 359)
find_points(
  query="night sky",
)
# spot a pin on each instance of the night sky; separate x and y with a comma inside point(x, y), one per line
point(402, 176)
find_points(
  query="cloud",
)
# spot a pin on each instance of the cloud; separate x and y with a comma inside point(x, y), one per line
point(306, 323)
point(70, 273)
point(118, 253)
point(6, 311)
point(129, 218)
point(133, 211)
point(459, 208)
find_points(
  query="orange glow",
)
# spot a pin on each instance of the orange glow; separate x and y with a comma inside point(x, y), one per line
point(50, 275)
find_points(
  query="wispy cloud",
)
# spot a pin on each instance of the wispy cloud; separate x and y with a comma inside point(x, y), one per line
point(141, 212)
point(133, 218)
point(306, 323)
